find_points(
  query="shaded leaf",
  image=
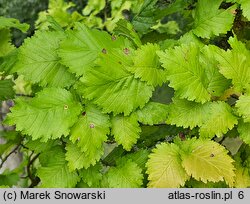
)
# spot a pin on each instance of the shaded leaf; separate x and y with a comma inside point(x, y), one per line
point(243, 107)
point(54, 172)
point(126, 174)
point(244, 131)
point(5, 42)
point(8, 178)
point(92, 175)
point(125, 130)
point(78, 159)
point(152, 113)
point(6, 89)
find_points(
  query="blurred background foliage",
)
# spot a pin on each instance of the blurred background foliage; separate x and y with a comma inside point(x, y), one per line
point(24, 10)
point(147, 16)
point(150, 18)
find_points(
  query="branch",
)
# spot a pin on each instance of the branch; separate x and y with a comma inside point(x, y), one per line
point(7, 156)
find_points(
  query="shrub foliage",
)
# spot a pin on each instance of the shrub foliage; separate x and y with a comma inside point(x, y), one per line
point(128, 94)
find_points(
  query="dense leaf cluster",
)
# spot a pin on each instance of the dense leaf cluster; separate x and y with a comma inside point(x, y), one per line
point(88, 90)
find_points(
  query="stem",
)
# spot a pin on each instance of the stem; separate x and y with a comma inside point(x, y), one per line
point(105, 11)
point(34, 180)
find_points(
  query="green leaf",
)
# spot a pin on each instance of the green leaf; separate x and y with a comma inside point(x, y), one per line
point(146, 17)
point(90, 132)
point(39, 62)
point(112, 87)
point(79, 159)
point(216, 82)
point(220, 120)
point(125, 130)
point(94, 7)
point(232, 63)
point(54, 172)
point(190, 37)
point(244, 131)
point(213, 118)
point(172, 7)
point(147, 66)
point(245, 6)
point(11, 135)
point(169, 28)
point(238, 46)
point(152, 11)
point(83, 45)
point(181, 109)
point(112, 153)
point(5, 42)
point(211, 21)
point(242, 177)
point(119, 10)
point(192, 183)
point(153, 134)
point(125, 28)
point(11, 140)
point(207, 161)
point(7, 147)
point(243, 107)
point(8, 178)
point(6, 89)
point(59, 11)
point(126, 174)
point(92, 176)
point(49, 114)
point(152, 113)
point(164, 167)
point(13, 23)
point(140, 157)
point(38, 147)
point(8, 61)
point(185, 73)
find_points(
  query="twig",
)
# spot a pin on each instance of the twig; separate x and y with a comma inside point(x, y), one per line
point(34, 180)
point(7, 156)
point(24, 95)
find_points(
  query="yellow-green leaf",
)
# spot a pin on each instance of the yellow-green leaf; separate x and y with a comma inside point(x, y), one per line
point(164, 167)
point(206, 160)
